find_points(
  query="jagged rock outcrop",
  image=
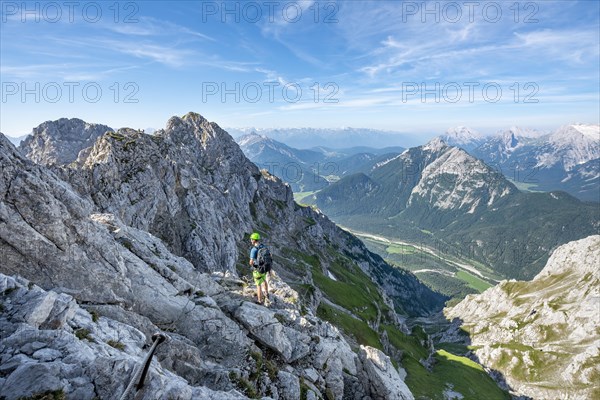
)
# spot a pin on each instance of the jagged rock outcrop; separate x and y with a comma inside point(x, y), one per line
point(51, 344)
point(59, 142)
point(146, 233)
point(50, 340)
point(388, 383)
point(542, 336)
point(266, 328)
point(170, 184)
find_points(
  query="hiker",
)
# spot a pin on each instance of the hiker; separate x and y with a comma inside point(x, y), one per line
point(261, 261)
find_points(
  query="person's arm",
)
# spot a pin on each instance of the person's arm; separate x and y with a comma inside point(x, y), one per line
point(253, 255)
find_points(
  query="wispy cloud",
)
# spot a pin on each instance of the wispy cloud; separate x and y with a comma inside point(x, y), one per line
point(148, 26)
point(567, 46)
point(272, 76)
point(391, 47)
point(369, 52)
point(287, 16)
point(570, 45)
point(166, 55)
point(62, 72)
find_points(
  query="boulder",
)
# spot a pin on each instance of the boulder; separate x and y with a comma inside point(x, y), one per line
point(385, 380)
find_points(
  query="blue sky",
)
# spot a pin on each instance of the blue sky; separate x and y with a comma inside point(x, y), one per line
point(406, 66)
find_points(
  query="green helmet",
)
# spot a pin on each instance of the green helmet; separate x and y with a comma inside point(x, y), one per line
point(255, 236)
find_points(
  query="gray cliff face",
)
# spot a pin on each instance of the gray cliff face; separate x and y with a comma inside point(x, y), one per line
point(144, 233)
point(542, 335)
point(191, 186)
point(171, 184)
point(59, 142)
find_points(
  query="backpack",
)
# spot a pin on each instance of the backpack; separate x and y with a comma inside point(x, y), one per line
point(264, 259)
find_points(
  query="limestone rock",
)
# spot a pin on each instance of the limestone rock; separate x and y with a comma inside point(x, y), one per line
point(81, 358)
point(263, 325)
point(542, 336)
point(289, 386)
point(385, 380)
point(108, 240)
point(59, 142)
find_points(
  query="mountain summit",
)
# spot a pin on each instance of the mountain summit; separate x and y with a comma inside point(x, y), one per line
point(443, 196)
point(462, 136)
point(142, 233)
point(567, 159)
point(59, 142)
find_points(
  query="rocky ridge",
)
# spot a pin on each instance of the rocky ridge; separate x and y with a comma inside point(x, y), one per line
point(566, 159)
point(143, 233)
point(542, 335)
point(59, 142)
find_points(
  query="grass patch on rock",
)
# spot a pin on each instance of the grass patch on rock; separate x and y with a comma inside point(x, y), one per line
point(466, 376)
point(355, 328)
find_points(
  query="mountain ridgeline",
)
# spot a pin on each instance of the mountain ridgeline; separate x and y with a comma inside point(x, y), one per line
point(309, 170)
point(567, 159)
point(306, 138)
point(542, 335)
point(172, 184)
point(115, 238)
point(443, 197)
point(292, 165)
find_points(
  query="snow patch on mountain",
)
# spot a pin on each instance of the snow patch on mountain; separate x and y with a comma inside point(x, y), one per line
point(389, 160)
point(590, 131)
point(522, 132)
point(571, 145)
point(250, 139)
point(461, 135)
point(566, 159)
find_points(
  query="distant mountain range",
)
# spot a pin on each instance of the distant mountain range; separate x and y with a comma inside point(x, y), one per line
point(308, 170)
point(567, 159)
point(442, 196)
point(305, 138)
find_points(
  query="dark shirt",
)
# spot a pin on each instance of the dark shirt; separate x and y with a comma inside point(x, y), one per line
point(254, 253)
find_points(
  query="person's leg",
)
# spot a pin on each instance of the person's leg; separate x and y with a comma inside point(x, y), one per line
point(267, 288)
point(259, 292)
point(268, 276)
point(258, 280)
